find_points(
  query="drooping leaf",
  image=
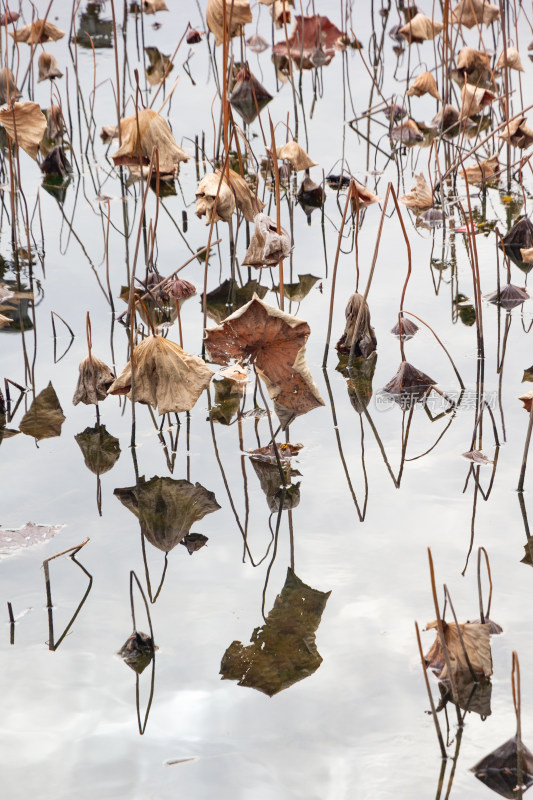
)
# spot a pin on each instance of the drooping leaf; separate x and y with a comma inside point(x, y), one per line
point(100, 449)
point(508, 297)
point(94, 380)
point(8, 87)
point(499, 770)
point(267, 247)
point(38, 32)
point(48, 67)
point(160, 66)
point(308, 34)
point(44, 417)
point(194, 542)
point(140, 134)
point(512, 61)
point(518, 133)
point(409, 383)
point(248, 97)
point(420, 28)
point(25, 123)
point(477, 457)
point(420, 195)
point(137, 651)
point(283, 649)
point(424, 84)
point(475, 12)
point(237, 15)
point(476, 640)
point(363, 334)
point(296, 155)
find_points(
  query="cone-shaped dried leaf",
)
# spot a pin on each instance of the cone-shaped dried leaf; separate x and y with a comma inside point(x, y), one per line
point(518, 133)
point(519, 238)
point(527, 400)
point(94, 380)
point(48, 67)
point(280, 494)
point(275, 342)
point(257, 44)
point(477, 457)
point(474, 99)
point(498, 770)
point(409, 382)
point(476, 639)
point(166, 377)
point(140, 134)
point(100, 449)
point(424, 84)
point(229, 296)
point(297, 291)
point(527, 254)
point(471, 60)
point(296, 155)
point(513, 60)
point(420, 195)
point(280, 12)
point(245, 200)
point(267, 246)
point(167, 508)
point(446, 118)
point(56, 163)
point(151, 6)
point(283, 649)
point(248, 97)
point(509, 297)
point(407, 133)
point(308, 34)
point(38, 32)
point(137, 651)
point(475, 12)
point(194, 542)
point(364, 195)
point(237, 13)
point(408, 329)
point(421, 28)
point(8, 87)
point(484, 171)
point(25, 124)
point(160, 66)
point(364, 335)
point(44, 417)
point(210, 205)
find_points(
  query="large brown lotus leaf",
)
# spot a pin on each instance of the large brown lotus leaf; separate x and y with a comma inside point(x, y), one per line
point(475, 12)
point(363, 335)
point(470, 60)
point(476, 640)
point(283, 650)
point(245, 200)
point(25, 124)
point(48, 67)
point(38, 32)
point(140, 134)
point(267, 246)
point(165, 377)
point(518, 133)
point(513, 60)
point(424, 84)
point(167, 508)
point(407, 133)
point(484, 171)
point(296, 155)
point(420, 195)
point(94, 380)
point(474, 99)
point(237, 15)
point(44, 418)
point(420, 28)
point(309, 34)
point(274, 341)
point(499, 770)
point(100, 449)
point(8, 87)
point(210, 205)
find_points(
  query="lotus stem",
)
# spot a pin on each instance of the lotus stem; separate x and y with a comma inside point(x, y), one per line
point(430, 696)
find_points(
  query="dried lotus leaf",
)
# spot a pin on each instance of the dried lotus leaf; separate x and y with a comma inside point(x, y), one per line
point(94, 380)
point(476, 639)
point(44, 417)
point(214, 199)
point(365, 196)
point(424, 84)
point(474, 12)
point(25, 124)
point(245, 200)
point(238, 13)
point(407, 133)
point(513, 60)
point(470, 60)
point(151, 6)
point(48, 67)
point(518, 133)
point(475, 98)
point(296, 155)
point(140, 134)
point(8, 87)
point(38, 32)
point(267, 246)
point(420, 195)
point(420, 28)
point(363, 334)
point(484, 171)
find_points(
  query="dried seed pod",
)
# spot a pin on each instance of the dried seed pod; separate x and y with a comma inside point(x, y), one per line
point(267, 246)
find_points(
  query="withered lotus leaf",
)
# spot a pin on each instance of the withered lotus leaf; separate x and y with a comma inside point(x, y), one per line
point(167, 508)
point(56, 163)
point(165, 376)
point(513, 60)
point(446, 118)
point(499, 770)
point(267, 246)
point(160, 66)
point(238, 13)
point(38, 32)
point(228, 399)
point(475, 12)
point(477, 457)
point(280, 493)
point(248, 97)
point(285, 451)
point(55, 126)
point(44, 417)
point(296, 155)
point(474, 99)
point(8, 87)
point(508, 297)
point(245, 200)
point(151, 6)
point(12, 539)
point(472, 696)
point(234, 192)
point(519, 238)
point(409, 381)
point(407, 133)
point(100, 449)
point(518, 133)
point(308, 34)
point(140, 134)
point(8, 18)
point(194, 542)
point(420, 28)
point(256, 43)
point(484, 171)
point(283, 649)
point(25, 123)
point(365, 196)
point(194, 36)
point(280, 12)
point(527, 400)
point(363, 335)
point(424, 84)
point(274, 342)
point(234, 373)
point(297, 291)
point(229, 296)
point(407, 330)
point(94, 380)
point(48, 67)
point(420, 195)
point(476, 639)
point(137, 651)
point(470, 60)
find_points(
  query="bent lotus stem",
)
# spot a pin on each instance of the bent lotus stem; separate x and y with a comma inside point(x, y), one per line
point(441, 344)
point(430, 696)
point(517, 702)
point(483, 616)
point(278, 206)
point(526, 451)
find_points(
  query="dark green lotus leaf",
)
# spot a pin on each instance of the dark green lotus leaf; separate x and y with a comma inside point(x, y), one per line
point(100, 449)
point(283, 649)
point(44, 417)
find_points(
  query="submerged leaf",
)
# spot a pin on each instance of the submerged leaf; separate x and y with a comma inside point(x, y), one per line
point(297, 291)
point(44, 418)
point(283, 649)
point(229, 296)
